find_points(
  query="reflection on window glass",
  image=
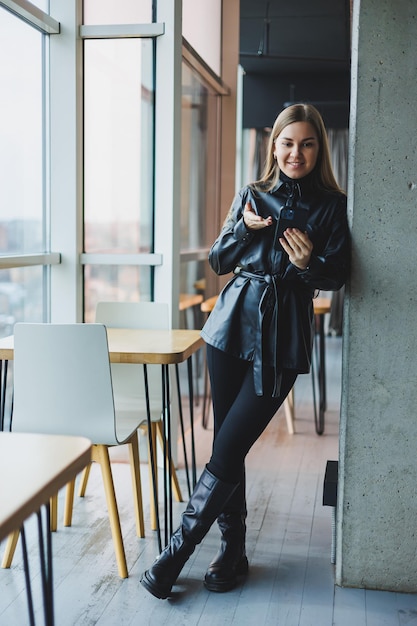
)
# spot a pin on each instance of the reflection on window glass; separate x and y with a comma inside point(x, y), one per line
point(22, 194)
point(21, 296)
point(114, 283)
point(118, 157)
point(253, 154)
point(43, 5)
point(21, 154)
point(201, 27)
point(199, 174)
point(118, 143)
point(117, 11)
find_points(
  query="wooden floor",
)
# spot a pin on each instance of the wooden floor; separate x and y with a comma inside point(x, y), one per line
point(291, 579)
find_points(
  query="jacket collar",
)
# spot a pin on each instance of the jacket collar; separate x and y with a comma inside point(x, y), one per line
point(303, 184)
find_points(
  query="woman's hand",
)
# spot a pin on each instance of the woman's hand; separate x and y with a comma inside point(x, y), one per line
point(298, 247)
point(253, 221)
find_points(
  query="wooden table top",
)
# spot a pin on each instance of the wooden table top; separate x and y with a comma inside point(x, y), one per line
point(322, 305)
point(187, 300)
point(208, 305)
point(162, 347)
point(6, 348)
point(33, 468)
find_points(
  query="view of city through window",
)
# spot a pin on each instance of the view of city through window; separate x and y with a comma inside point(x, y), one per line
point(22, 168)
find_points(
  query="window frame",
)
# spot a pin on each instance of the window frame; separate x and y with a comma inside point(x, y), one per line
point(47, 25)
point(32, 15)
point(67, 286)
point(64, 159)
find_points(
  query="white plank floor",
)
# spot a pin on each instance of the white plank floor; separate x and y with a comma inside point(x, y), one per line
point(291, 579)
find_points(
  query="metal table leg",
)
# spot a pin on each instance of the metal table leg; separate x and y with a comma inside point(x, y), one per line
point(166, 411)
point(322, 365)
point(206, 396)
point(184, 446)
point(3, 391)
point(167, 444)
point(320, 357)
point(152, 454)
point(45, 553)
point(191, 396)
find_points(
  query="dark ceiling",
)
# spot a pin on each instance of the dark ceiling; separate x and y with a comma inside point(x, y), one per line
point(301, 35)
point(300, 48)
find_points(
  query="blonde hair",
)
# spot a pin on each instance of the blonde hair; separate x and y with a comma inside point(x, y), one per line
point(322, 174)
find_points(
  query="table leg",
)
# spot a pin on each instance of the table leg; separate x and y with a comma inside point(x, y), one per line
point(166, 411)
point(206, 395)
point(46, 569)
point(191, 403)
point(3, 390)
point(320, 353)
point(1, 398)
point(167, 446)
point(191, 396)
point(27, 577)
point(184, 446)
point(167, 442)
point(152, 453)
point(322, 365)
point(46, 565)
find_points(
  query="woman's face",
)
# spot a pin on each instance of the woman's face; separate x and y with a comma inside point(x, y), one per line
point(296, 149)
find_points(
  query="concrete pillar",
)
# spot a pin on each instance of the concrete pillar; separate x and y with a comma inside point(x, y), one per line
point(377, 508)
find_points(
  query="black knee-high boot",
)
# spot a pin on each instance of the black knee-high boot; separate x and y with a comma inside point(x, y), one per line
point(230, 562)
point(207, 501)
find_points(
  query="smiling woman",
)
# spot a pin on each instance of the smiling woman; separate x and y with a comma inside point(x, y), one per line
point(297, 149)
point(260, 333)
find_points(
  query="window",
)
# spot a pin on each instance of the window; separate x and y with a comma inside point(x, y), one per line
point(118, 167)
point(199, 183)
point(117, 11)
point(23, 157)
point(80, 135)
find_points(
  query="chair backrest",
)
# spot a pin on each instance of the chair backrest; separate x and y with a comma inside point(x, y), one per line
point(128, 379)
point(62, 381)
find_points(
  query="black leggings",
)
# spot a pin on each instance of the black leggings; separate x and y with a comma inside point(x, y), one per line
point(240, 416)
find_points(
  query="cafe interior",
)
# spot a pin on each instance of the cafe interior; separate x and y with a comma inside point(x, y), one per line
point(127, 127)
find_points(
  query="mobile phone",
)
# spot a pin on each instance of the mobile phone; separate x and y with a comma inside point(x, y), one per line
point(290, 217)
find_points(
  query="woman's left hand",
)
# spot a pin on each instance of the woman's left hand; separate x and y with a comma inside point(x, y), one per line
point(298, 246)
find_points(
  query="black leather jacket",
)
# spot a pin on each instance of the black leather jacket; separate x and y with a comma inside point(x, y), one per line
point(265, 312)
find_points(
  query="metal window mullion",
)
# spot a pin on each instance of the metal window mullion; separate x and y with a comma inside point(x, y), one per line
point(32, 15)
point(115, 31)
point(26, 260)
point(46, 178)
point(150, 259)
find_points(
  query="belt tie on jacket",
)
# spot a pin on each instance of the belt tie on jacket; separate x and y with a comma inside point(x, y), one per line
point(271, 284)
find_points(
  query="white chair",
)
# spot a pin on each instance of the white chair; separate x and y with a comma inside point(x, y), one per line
point(63, 385)
point(128, 379)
